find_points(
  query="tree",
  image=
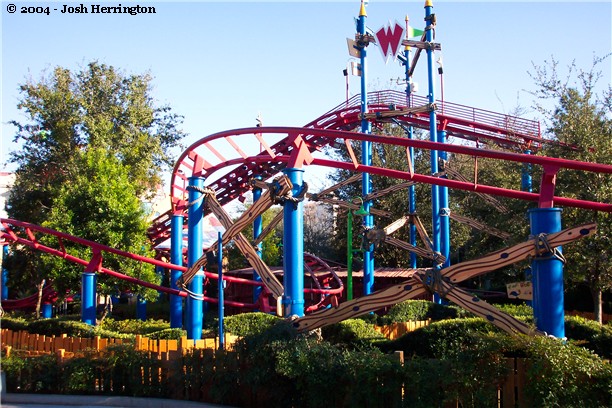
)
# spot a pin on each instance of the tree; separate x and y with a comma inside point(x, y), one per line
point(580, 118)
point(98, 204)
point(69, 116)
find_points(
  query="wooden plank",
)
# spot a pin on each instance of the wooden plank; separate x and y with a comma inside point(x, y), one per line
point(479, 307)
point(439, 258)
point(357, 307)
point(269, 228)
point(351, 206)
point(516, 253)
point(354, 178)
point(245, 247)
point(392, 189)
point(480, 226)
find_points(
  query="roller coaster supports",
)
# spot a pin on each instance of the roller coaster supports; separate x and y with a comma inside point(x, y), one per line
point(176, 258)
point(527, 185)
point(141, 308)
point(220, 288)
point(410, 134)
point(366, 157)
point(433, 132)
point(5, 274)
point(257, 230)
point(548, 275)
point(293, 247)
point(88, 290)
point(47, 310)
point(444, 210)
point(195, 225)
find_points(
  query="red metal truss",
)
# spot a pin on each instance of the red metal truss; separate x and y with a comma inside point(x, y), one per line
point(232, 185)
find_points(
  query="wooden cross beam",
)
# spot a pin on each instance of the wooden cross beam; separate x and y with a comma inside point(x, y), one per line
point(233, 233)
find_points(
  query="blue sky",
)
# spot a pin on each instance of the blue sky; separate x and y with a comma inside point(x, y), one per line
point(220, 64)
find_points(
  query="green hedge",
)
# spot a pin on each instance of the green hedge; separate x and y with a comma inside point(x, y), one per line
point(416, 310)
point(351, 332)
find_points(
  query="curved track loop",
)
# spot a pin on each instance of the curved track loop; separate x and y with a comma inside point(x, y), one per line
point(268, 163)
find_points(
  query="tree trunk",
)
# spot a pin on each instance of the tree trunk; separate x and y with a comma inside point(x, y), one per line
point(40, 293)
point(598, 305)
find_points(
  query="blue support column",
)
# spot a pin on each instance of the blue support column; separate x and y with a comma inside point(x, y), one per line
point(433, 135)
point(5, 273)
point(257, 230)
point(221, 293)
point(444, 210)
point(47, 310)
point(195, 311)
point(366, 159)
point(410, 134)
point(141, 308)
point(176, 258)
point(293, 247)
point(547, 276)
point(88, 297)
point(527, 185)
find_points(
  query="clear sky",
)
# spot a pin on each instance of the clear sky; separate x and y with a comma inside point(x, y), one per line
point(220, 64)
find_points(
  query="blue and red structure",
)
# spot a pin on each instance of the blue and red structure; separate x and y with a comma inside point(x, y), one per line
point(328, 131)
point(366, 152)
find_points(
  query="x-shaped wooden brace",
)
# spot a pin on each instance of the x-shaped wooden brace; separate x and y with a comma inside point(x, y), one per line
point(444, 281)
point(232, 232)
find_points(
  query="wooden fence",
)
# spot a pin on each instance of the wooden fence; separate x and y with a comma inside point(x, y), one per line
point(30, 344)
point(395, 330)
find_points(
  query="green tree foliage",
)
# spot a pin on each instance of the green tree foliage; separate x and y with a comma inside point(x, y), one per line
point(580, 118)
point(98, 203)
point(76, 124)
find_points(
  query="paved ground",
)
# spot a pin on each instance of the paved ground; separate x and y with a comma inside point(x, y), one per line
point(70, 401)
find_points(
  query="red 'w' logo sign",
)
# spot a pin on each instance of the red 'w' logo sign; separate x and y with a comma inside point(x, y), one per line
point(389, 39)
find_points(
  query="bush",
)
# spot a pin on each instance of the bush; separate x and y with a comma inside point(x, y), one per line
point(590, 334)
point(168, 334)
point(442, 338)
point(520, 311)
point(415, 310)
point(564, 375)
point(351, 332)
point(246, 324)
point(134, 326)
point(14, 323)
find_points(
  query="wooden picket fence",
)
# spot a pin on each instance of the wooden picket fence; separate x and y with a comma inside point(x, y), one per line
point(29, 344)
point(396, 330)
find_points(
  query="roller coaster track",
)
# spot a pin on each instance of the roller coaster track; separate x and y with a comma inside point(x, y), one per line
point(223, 148)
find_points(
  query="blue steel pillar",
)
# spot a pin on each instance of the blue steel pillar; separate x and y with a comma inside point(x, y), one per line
point(433, 135)
point(293, 247)
point(47, 310)
point(547, 275)
point(88, 297)
point(141, 308)
point(176, 258)
point(257, 230)
point(4, 283)
point(366, 159)
point(195, 311)
point(527, 185)
point(444, 210)
point(221, 293)
point(410, 134)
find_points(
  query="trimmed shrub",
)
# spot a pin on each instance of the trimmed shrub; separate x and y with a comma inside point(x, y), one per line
point(564, 375)
point(440, 339)
point(14, 323)
point(590, 334)
point(351, 332)
point(246, 324)
point(415, 310)
point(168, 334)
point(134, 326)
